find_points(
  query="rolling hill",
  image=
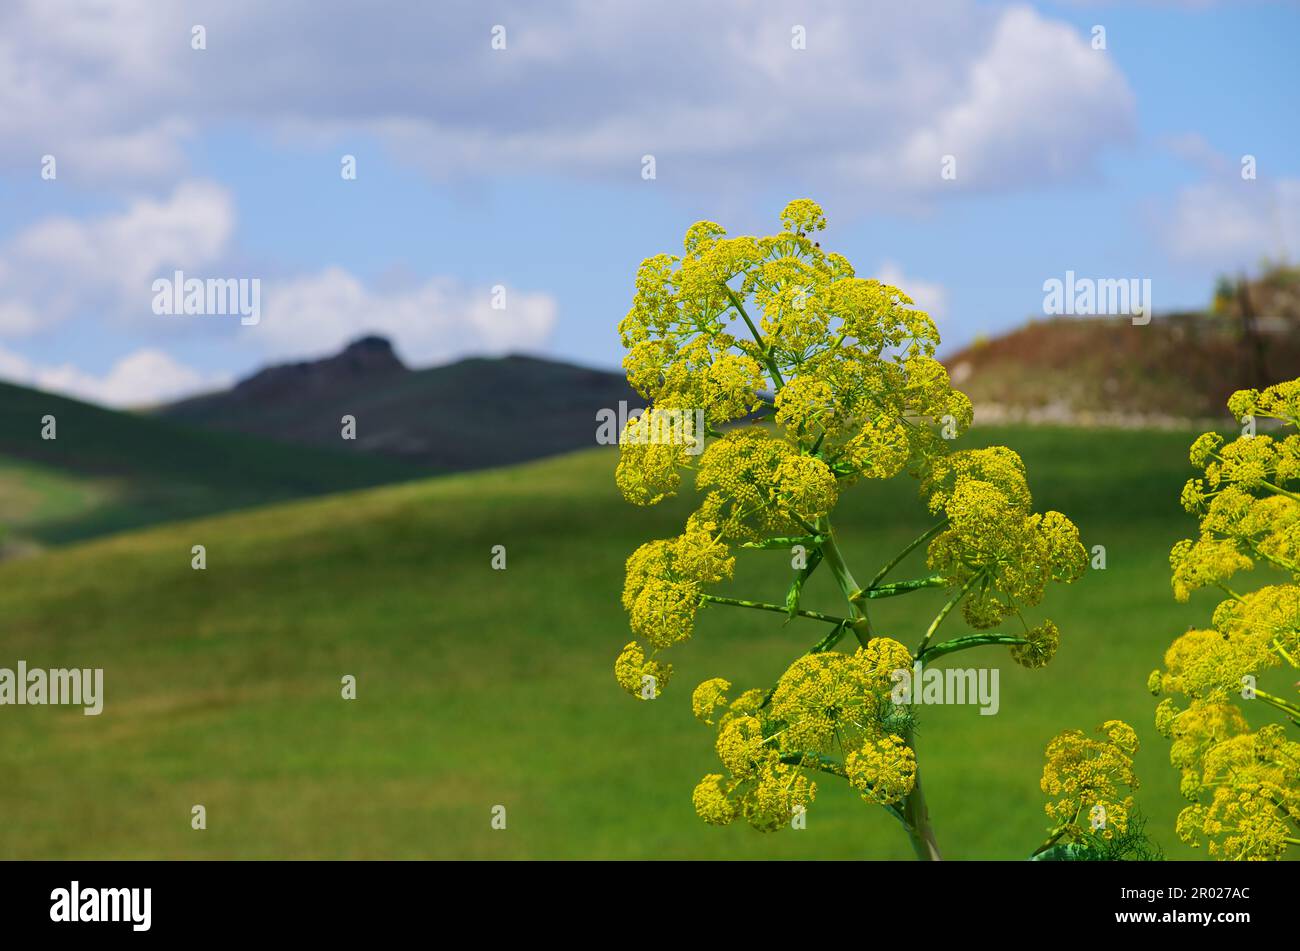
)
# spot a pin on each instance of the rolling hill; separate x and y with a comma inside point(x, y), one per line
point(108, 471)
point(1110, 371)
point(481, 687)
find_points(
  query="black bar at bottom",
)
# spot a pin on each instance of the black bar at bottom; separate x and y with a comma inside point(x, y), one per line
point(334, 900)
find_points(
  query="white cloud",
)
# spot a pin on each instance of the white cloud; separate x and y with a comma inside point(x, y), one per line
point(1036, 104)
point(104, 267)
point(92, 84)
point(930, 297)
point(1175, 4)
point(59, 266)
point(142, 378)
point(314, 316)
point(715, 91)
point(1195, 149)
point(433, 322)
point(1233, 224)
point(17, 318)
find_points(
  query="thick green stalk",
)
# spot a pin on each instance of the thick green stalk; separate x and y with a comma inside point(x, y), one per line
point(915, 814)
point(1288, 708)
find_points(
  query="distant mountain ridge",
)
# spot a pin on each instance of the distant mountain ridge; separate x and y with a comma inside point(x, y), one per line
point(475, 413)
point(365, 358)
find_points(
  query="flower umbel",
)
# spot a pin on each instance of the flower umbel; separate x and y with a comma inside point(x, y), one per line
point(810, 378)
point(1244, 786)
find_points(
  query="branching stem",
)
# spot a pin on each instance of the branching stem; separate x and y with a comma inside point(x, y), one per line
point(778, 608)
point(968, 641)
point(944, 612)
point(777, 379)
point(912, 546)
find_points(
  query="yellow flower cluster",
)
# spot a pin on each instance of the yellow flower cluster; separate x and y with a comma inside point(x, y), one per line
point(758, 484)
point(826, 705)
point(1244, 786)
point(997, 466)
point(1254, 785)
point(648, 465)
point(1040, 646)
point(860, 411)
point(995, 546)
point(708, 698)
point(763, 788)
point(1280, 401)
point(883, 770)
point(662, 594)
point(1082, 777)
point(638, 675)
point(822, 697)
point(850, 361)
point(1194, 731)
point(1247, 498)
point(1251, 634)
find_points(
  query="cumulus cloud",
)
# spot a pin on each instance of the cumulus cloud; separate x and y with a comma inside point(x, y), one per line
point(1235, 223)
point(59, 266)
point(94, 85)
point(717, 92)
point(1034, 105)
point(142, 378)
point(105, 267)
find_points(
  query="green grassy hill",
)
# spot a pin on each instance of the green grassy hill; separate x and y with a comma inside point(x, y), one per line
point(109, 471)
point(480, 687)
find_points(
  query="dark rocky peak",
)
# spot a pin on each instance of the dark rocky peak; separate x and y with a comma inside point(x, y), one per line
point(368, 357)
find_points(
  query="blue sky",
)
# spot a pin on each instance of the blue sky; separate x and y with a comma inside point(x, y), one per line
point(522, 166)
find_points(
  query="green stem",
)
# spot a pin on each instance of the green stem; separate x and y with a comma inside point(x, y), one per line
point(947, 609)
point(843, 577)
point(816, 761)
point(913, 813)
point(831, 639)
point(778, 608)
point(1051, 840)
point(777, 380)
point(1283, 705)
point(835, 768)
point(916, 817)
point(967, 641)
point(900, 587)
point(783, 541)
point(912, 546)
point(1280, 491)
point(1277, 646)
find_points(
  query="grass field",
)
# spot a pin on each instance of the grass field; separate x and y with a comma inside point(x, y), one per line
point(480, 687)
